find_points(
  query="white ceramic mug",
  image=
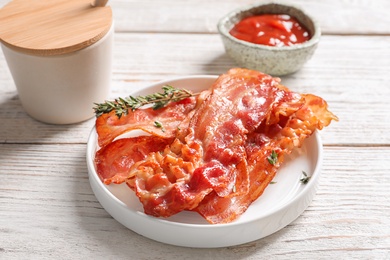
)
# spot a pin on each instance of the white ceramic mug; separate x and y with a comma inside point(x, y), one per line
point(62, 89)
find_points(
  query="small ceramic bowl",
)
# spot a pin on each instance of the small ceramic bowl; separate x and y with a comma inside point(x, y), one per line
point(276, 61)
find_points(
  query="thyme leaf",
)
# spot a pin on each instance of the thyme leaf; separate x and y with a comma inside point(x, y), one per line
point(306, 178)
point(121, 106)
point(273, 158)
point(159, 125)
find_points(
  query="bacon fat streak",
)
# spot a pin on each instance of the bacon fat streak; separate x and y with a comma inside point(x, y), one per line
point(213, 156)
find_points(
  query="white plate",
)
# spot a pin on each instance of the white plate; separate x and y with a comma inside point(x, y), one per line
point(281, 203)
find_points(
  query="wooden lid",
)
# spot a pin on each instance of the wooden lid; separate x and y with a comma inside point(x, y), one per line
point(53, 27)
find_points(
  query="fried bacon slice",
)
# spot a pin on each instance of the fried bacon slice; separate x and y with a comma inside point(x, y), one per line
point(216, 162)
point(286, 128)
point(109, 126)
point(114, 161)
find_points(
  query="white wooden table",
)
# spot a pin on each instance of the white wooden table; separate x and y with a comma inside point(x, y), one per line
point(48, 210)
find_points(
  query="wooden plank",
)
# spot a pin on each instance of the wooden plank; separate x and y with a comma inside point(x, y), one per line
point(333, 16)
point(347, 71)
point(45, 199)
point(202, 16)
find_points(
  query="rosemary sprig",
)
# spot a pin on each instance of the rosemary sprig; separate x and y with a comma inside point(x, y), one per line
point(121, 106)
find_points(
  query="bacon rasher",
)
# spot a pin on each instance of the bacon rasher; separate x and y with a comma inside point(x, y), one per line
point(109, 126)
point(217, 163)
point(286, 128)
point(114, 160)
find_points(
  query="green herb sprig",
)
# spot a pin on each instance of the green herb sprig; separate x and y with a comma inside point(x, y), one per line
point(121, 106)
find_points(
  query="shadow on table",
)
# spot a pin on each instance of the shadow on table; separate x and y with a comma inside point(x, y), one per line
point(218, 65)
point(18, 127)
point(113, 240)
point(110, 238)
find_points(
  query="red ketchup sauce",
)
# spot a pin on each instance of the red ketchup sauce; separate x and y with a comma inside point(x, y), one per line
point(271, 29)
